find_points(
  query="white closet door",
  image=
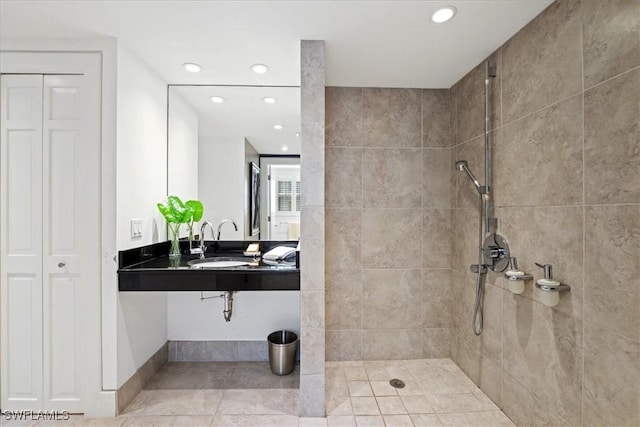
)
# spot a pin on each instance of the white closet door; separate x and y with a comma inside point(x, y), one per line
point(68, 261)
point(21, 241)
point(49, 211)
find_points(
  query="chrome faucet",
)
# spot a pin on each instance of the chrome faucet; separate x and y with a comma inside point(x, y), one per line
point(226, 220)
point(203, 248)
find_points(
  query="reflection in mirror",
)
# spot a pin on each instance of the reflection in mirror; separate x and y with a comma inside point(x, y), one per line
point(216, 134)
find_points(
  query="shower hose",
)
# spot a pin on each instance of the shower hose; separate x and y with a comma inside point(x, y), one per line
point(480, 273)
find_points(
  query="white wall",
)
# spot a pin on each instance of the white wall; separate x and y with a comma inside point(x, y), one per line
point(255, 315)
point(221, 184)
point(141, 183)
point(183, 151)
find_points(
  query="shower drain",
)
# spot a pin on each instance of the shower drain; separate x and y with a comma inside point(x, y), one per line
point(396, 383)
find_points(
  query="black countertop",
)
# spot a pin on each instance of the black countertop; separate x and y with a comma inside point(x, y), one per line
point(150, 269)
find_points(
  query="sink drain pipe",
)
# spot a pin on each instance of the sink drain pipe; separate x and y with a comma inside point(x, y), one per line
point(228, 303)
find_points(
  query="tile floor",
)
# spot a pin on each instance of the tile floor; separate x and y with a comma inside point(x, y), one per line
point(436, 393)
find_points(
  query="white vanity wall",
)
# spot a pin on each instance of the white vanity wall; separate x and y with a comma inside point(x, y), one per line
point(183, 165)
point(141, 183)
point(255, 315)
point(221, 183)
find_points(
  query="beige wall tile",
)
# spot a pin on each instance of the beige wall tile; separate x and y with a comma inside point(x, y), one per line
point(343, 116)
point(611, 33)
point(312, 165)
point(436, 343)
point(312, 401)
point(549, 235)
point(469, 95)
point(312, 227)
point(538, 160)
point(612, 140)
point(391, 238)
point(458, 281)
point(437, 170)
point(491, 378)
point(464, 231)
point(344, 299)
point(344, 239)
point(542, 63)
point(392, 178)
point(344, 345)
point(436, 299)
point(543, 350)
point(312, 81)
point(525, 409)
point(343, 180)
point(611, 378)
point(391, 299)
point(612, 268)
point(435, 118)
point(469, 359)
point(453, 114)
point(312, 345)
point(436, 232)
point(312, 309)
point(392, 117)
point(490, 342)
point(392, 344)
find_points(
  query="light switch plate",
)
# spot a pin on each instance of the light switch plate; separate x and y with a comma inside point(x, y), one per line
point(136, 228)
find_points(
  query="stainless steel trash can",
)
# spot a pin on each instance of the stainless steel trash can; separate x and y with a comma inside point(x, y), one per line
point(282, 351)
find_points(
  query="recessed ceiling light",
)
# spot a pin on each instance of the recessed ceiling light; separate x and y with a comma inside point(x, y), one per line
point(297, 134)
point(285, 148)
point(191, 67)
point(217, 99)
point(443, 14)
point(278, 127)
point(259, 68)
point(269, 100)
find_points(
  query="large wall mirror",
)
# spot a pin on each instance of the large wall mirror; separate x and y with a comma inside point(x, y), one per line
point(237, 149)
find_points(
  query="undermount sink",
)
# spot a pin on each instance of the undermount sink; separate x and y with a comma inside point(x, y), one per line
point(217, 263)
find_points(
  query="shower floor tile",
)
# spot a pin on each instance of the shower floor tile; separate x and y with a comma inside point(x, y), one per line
point(245, 394)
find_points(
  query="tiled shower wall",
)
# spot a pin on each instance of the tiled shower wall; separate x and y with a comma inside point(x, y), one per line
point(566, 114)
point(388, 232)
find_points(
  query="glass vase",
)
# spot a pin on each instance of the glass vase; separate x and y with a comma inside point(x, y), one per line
point(174, 235)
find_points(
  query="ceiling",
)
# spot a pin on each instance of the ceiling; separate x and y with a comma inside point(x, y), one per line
point(244, 114)
point(368, 43)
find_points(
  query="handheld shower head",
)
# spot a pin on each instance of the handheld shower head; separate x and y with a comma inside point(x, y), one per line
point(463, 165)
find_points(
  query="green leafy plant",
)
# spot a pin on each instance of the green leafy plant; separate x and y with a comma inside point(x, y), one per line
point(196, 211)
point(176, 213)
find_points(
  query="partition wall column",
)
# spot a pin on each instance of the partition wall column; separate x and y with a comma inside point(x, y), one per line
point(312, 326)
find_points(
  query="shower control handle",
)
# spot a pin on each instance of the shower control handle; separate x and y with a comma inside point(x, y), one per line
point(496, 252)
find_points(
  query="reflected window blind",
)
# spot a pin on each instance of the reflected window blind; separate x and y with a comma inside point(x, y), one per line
point(284, 196)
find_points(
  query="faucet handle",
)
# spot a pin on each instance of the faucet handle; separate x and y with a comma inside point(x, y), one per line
point(547, 270)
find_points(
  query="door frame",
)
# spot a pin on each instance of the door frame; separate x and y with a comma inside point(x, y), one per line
point(34, 56)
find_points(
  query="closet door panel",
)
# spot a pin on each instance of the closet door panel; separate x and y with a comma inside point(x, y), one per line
point(21, 241)
point(65, 257)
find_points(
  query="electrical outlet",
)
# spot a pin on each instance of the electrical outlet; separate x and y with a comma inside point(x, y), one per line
point(136, 228)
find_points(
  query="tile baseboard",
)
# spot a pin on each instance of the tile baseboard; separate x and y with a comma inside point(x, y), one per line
point(130, 389)
point(218, 351)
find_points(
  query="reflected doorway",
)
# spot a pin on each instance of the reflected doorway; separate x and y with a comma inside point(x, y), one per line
point(281, 179)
